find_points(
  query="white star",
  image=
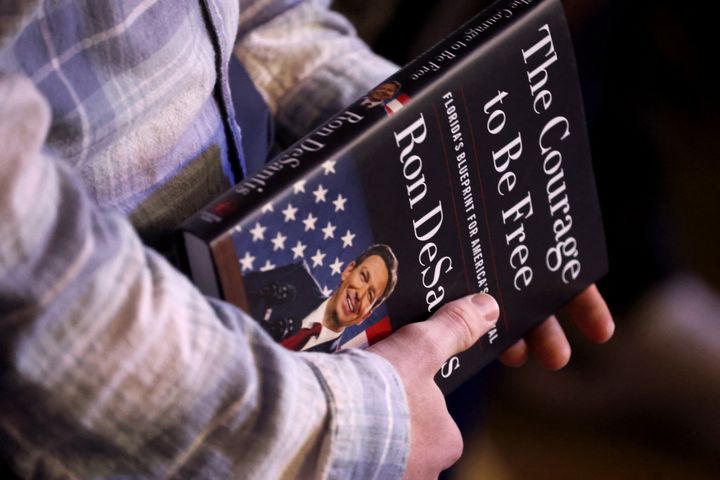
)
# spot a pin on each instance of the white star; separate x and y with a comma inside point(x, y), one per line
point(336, 266)
point(347, 239)
point(339, 203)
point(329, 167)
point(329, 231)
point(247, 261)
point(319, 193)
point(279, 242)
point(310, 222)
point(258, 232)
point(318, 258)
point(299, 186)
point(299, 250)
point(267, 266)
point(326, 291)
point(268, 207)
point(237, 229)
point(289, 212)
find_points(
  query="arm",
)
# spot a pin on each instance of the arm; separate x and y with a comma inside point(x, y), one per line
point(306, 60)
point(113, 363)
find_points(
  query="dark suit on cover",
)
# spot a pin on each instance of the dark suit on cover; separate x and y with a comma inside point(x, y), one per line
point(282, 297)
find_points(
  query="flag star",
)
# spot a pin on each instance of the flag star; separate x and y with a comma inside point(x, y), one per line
point(268, 207)
point(318, 258)
point(329, 167)
point(348, 239)
point(319, 193)
point(299, 186)
point(237, 229)
point(336, 266)
point(258, 232)
point(289, 212)
point(279, 242)
point(267, 266)
point(339, 203)
point(326, 291)
point(247, 261)
point(299, 250)
point(310, 222)
point(329, 231)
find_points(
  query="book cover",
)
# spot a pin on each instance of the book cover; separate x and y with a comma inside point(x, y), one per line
point(466, 171)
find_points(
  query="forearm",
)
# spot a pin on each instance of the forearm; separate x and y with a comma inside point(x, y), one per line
point(113, 363)
point(306, 61)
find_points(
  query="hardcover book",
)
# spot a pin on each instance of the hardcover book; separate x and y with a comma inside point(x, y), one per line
point(466, 171)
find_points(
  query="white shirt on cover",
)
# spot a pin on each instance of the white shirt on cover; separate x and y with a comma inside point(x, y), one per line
point(326, 335)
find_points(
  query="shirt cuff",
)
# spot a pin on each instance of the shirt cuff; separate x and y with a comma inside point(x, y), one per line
point(369, 418)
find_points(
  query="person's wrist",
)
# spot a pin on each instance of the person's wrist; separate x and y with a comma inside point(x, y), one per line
point(369, 414)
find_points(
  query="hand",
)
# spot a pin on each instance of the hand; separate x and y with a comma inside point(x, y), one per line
point(418, 351)
point(548, 342)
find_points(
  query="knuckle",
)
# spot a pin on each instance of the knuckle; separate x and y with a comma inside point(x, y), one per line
point(418, 335)
point(422, 337)
point(411, 330)
point(459, 326)
point(455, 310)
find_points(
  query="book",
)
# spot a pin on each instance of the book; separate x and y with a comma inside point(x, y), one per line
point(467, 171)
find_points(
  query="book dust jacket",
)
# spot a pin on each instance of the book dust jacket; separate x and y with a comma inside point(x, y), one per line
point(467, 171)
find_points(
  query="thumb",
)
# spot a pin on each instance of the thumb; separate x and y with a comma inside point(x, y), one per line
point(455, 327)
point(458, 325)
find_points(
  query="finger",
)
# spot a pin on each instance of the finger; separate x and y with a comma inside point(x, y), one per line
point(515, 356)
point(589, 312)
point(455, 327)
point(549, 344)
point(459, 324)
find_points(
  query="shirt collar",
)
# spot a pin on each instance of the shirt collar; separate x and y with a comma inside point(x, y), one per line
point(316, 316)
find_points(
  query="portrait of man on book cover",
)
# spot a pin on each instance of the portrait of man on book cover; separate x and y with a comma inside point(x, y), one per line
point(389, 95)
point(291, 306)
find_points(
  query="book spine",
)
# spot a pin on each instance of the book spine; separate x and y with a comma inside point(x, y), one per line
point(348, 127)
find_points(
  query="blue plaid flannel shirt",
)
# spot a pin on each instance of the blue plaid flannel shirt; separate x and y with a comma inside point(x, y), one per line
point(115, 124)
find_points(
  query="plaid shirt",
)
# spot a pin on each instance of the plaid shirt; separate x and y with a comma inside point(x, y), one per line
point(115, 124)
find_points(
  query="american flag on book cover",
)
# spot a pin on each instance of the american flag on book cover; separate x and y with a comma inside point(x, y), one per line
point(323, 221)
point(395, 104)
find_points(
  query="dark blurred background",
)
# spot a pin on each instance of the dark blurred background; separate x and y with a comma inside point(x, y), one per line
point(647, 404)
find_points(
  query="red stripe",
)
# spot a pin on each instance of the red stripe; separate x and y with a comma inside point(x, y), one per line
point(391, 107)
point(378, 331)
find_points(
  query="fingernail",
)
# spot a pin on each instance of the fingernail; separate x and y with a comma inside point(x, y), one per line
point(488, 306)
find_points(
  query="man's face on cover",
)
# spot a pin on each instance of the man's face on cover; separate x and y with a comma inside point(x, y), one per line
point(383, 92)
point(359, 292)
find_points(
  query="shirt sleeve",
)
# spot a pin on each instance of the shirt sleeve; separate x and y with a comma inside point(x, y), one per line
point(113, 364)
point(306, 61)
